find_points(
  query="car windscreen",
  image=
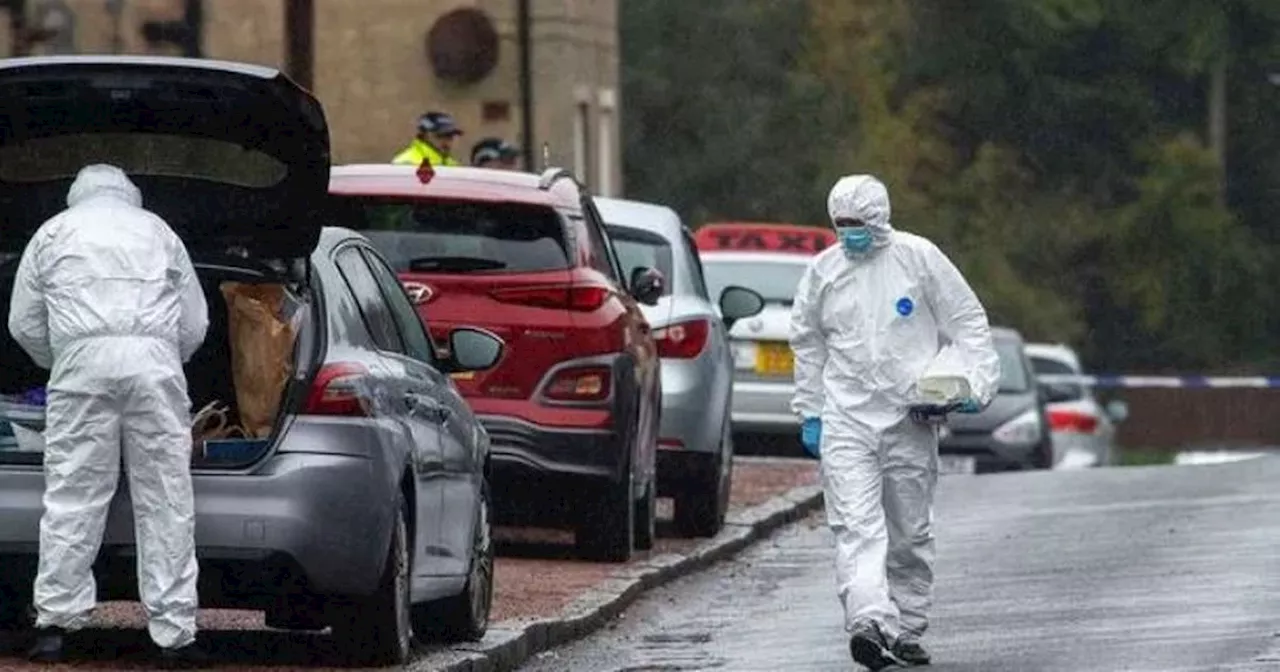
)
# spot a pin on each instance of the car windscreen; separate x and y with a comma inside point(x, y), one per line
point(1054, 367)
point(637, 248)
point(463, 237)
point(776, 282)
point(1014, 377)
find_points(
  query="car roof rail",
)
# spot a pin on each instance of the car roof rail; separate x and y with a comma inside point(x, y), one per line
point(552, 175)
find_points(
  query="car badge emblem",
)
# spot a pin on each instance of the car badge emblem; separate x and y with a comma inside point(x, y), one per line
point(418, 292)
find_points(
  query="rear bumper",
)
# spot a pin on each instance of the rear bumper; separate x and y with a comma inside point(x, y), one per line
point(519, 448)
point(991, 455)
point(764, 407)
point(1075, 450)
point(543, 475)
point(691, 409)
point(297, 522)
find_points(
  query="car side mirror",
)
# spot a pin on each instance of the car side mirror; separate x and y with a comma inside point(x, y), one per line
point(737, 303)
point(1117, 410)
point(472, 349)
point(647, 285)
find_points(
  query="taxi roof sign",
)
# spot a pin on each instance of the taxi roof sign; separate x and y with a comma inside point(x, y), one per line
point(760, 237)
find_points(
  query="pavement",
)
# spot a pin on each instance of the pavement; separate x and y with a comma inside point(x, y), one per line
point(1140, 569)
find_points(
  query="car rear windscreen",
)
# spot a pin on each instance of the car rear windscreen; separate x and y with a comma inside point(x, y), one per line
point(776, 282)
point(455, 237)
point(638, 248)
point(1052, 367)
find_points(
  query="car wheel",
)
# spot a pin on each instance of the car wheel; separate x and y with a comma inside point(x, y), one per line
point(609, 530)
point(465, 617)
point(377, 628)
point(704, 502)
point(646, 517)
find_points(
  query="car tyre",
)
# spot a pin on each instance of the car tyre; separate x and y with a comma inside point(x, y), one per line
point(465, 617)
point(609, 531)
point(646, 517)
point(378, 628)
point(703, 504)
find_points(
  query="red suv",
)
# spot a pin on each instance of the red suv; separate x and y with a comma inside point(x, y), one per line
point(572, 409)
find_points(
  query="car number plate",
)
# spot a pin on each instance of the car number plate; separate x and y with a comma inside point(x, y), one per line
point(775, 359)
point(956, 464)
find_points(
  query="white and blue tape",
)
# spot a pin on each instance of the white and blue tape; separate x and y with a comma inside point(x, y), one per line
point(1214, 382)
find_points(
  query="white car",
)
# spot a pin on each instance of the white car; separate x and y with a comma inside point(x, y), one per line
point(1083, 430)
point(764, 380)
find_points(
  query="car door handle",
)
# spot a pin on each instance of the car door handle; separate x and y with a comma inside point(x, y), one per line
point(427, 407)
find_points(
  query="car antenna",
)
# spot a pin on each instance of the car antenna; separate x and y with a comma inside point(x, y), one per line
point(546, 155)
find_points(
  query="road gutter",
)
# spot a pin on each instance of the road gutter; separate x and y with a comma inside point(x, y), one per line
point(510, 644)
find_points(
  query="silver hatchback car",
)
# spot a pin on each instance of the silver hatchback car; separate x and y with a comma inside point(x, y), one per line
point(695, 451)
point(366, 507)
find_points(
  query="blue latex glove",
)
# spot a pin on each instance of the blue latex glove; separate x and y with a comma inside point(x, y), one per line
point(969, 406)
point(811, 436)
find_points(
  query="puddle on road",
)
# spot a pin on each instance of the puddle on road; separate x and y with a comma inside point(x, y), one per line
point(678, 638)
point(675, 652)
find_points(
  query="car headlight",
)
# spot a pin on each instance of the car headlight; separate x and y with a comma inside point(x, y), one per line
point(1020, 431)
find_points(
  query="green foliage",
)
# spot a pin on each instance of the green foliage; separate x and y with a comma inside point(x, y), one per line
point(1053, 148)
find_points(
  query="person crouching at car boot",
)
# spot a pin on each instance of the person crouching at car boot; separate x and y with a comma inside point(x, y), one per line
point(495, 153)
point(106, 298)
point(433, 143)
point(870, 315)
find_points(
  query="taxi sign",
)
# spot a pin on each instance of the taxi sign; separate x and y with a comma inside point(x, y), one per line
point(749, 237)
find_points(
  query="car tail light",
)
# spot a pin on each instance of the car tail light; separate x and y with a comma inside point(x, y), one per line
point(670, 444)
point(580, 384)
point(1073, 421)
point(682, 341)
point(574, 297)
point(336, 390)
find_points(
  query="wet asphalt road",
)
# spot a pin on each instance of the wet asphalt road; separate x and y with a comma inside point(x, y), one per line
point(1156, 569)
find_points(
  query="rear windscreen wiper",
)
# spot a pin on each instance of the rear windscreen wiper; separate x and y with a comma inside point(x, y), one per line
point(454, 264)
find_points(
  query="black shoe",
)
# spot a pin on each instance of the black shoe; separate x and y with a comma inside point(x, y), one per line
point(910, 652)
point(50, 646)
point(187, 656)
point(869, 648)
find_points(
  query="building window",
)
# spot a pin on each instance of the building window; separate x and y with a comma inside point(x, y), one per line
point(604, 143)
point(582, 141)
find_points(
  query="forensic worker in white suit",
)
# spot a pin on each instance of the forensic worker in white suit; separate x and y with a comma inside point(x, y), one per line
point(107, 299)
point(870, 316)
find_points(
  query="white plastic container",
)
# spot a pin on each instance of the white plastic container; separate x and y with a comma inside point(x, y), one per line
point(944, 382)
point(942, 390)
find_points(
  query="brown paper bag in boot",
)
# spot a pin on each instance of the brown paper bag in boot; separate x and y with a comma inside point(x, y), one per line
point(261, 352)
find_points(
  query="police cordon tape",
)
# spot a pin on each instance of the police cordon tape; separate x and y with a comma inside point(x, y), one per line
point(1210, 382)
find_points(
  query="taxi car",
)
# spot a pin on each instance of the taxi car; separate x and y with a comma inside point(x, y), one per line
point(768, 259)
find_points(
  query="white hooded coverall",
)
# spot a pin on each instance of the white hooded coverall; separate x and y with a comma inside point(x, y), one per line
point(864, 330)
point(107, 299)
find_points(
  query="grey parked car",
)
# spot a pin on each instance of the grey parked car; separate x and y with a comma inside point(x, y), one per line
point(690, 328)
point(366, 508)
point(1013, 432)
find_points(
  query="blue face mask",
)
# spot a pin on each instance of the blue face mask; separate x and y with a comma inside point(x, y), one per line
point(855, 239)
